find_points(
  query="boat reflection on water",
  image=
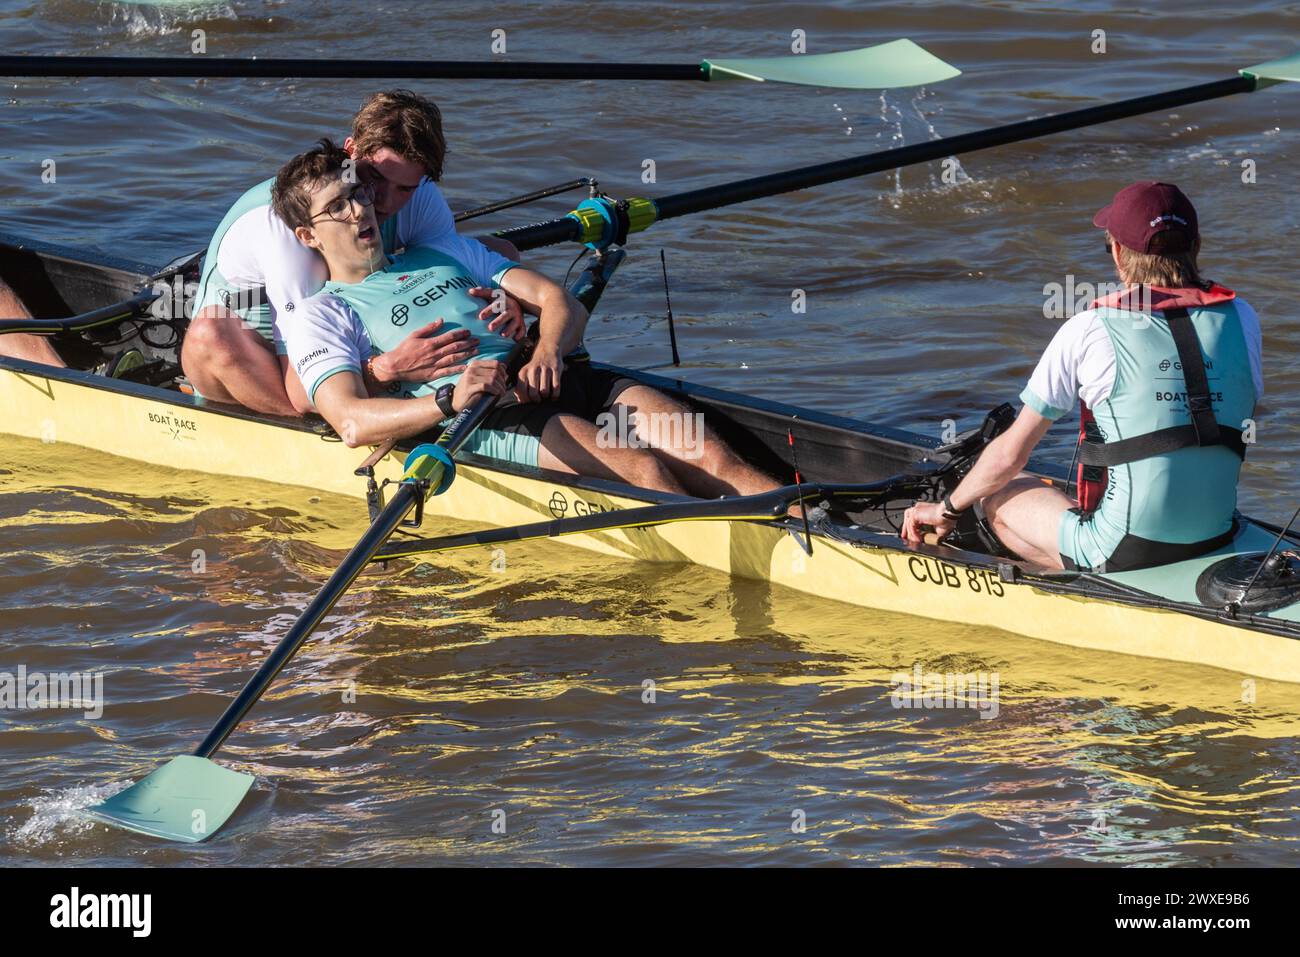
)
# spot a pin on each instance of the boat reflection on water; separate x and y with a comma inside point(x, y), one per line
point(615, 712)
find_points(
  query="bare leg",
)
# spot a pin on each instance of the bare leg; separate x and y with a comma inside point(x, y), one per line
point(692, 451)
point(229, 362)
point(1026, 515)
point(293, 387)
point(570, 444)
point(19, 345)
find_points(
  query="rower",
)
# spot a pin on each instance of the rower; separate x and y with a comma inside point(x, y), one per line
point(1167, 373)
point(256, 271)
point(338, 335)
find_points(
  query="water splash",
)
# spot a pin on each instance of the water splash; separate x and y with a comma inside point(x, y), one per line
point(912, 121)
point(160, 19)
point(60, 813)
point(844, 118)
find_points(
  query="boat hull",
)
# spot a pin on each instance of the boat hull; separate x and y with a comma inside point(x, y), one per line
point(1152, 613)
point(871, 570)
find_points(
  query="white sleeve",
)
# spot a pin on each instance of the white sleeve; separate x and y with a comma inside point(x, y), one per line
point(1250, 328)
point(325, 338)
point(1079, 363)
point(485, 266)
point(426, 218)
point(292, 272)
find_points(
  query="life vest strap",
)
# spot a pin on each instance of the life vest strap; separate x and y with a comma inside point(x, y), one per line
point(1204, 429)
point(1194, 375)
point(1156, 443)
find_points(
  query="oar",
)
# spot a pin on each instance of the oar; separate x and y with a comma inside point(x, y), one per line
point(767, 506)
point(104, 316)
point(190, 797)
point(898, 63)
point(585, 181)
point(137, 305)
point(763, 507)
point(600, 221)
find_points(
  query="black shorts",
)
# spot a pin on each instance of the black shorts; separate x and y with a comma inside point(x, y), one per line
point(584, 391)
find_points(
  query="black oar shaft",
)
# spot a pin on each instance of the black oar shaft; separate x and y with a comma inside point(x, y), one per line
point(762, 507)
point(355, 562)
point(768, 506)
point(137, 305)
point(496, 207)
point(403, 500)
point(541, 234)
point(804, 177)
point(682, 204)
point(104, 316)
point(326, 69)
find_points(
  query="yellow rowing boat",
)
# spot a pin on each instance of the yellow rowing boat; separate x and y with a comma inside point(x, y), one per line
point(855, 557)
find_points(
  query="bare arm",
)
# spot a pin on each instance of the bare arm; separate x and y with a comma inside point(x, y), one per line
point(423, 356)
point(361, 419)
point(1002, 460)
point(562, 320)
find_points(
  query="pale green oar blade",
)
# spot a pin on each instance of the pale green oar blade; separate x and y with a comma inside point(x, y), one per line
point(894, 64)
point(1284, 70)
point(187, 799)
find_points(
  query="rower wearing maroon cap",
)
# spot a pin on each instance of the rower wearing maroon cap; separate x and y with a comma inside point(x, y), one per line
point(1166, 373)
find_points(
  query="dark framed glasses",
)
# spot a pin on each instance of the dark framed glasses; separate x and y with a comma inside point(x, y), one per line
point(339, 209)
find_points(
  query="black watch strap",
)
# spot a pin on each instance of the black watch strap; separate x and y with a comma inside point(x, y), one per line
point(951, 513)
point(443, 398)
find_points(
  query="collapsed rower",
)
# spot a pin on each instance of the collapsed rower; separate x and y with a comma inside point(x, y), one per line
point(550, 419)
point(256, 271)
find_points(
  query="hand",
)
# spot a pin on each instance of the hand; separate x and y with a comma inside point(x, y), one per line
point(925, 514)
point(539, 380)
point(424, 356)
point(503, 313)
point(479, 377)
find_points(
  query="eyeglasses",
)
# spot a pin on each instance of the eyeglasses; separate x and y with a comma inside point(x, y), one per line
point(339, 209)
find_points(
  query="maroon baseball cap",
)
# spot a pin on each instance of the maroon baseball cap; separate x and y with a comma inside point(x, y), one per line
point(1150, 217)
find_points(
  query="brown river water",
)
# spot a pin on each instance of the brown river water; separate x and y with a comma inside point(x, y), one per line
point(522, 692)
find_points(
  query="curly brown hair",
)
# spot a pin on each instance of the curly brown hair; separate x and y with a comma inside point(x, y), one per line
point(291, 194)
point(406, 123)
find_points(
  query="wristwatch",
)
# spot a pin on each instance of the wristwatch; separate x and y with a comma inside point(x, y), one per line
point(950, 512)
point(443, 398)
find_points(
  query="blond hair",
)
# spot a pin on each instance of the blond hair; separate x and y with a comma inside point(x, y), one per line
point(1175, 270)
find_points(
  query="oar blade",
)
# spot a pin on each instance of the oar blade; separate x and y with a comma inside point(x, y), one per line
point(1285, 70)
point(899, 63)
point(187, 799)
